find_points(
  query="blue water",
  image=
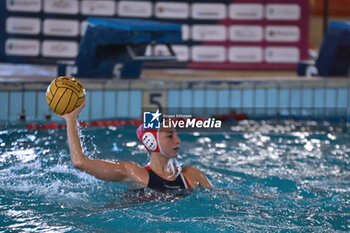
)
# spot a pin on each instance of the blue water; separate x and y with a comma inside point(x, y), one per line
point(267, 177)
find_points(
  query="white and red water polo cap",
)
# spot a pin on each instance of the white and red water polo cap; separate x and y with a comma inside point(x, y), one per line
point(149, 138)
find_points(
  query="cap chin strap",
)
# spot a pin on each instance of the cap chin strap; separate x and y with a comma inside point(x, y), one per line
point(160, 148)
point(172, 162)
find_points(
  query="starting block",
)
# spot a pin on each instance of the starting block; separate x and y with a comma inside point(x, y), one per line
point(116, 47)
point(334, 55)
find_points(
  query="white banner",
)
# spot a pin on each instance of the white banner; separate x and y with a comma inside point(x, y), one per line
point(246, 54)
point(209, 33)
point(23, 25)
point(51, 48)
point(246, 11)
point(22, 47)
point(202, 53)
point(283, 12)
point(246, 33)
point(61, 6)
point(282, 33)
point(282, 54)
point(173, 10)
point(98, 8)
point(135, 9)
point(208, 11)
point(23, 5)
point(61, 27)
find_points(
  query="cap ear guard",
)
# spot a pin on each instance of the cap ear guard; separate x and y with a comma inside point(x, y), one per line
point(148, 137)
point(149, 141)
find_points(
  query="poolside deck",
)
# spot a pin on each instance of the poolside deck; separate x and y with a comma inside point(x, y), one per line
point(46, 73)
point(23, 88)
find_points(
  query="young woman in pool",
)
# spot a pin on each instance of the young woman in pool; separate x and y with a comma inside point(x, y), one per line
point(163, 172)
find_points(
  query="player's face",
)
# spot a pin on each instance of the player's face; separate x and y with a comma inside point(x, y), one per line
point(169, 142)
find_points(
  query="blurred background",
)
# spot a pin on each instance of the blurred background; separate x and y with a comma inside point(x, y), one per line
point(338, 10)
point(247, 56)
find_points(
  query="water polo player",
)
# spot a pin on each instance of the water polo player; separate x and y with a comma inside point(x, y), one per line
point(163, 173)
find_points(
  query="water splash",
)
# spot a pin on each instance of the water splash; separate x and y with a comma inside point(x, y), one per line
point(267, 177)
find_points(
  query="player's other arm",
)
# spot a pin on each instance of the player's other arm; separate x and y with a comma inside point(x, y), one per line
point(196, 177)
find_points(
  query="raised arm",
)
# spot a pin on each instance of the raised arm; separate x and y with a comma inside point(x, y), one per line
point(102, 169)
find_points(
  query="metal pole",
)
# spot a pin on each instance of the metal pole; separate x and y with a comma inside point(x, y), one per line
point(325, 17)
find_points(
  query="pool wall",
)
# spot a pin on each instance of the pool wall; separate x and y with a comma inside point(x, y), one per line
point(125, 99)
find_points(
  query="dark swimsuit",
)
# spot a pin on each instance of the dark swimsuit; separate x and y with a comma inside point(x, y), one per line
point(161, 190)
point(158, 183)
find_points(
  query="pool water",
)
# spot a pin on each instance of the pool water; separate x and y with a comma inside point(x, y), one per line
point(267, 177)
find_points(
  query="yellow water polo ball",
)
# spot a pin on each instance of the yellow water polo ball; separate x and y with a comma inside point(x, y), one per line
point(65, 94)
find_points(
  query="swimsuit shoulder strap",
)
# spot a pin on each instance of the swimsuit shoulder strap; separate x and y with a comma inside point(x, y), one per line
point(155, 180)
point(185, 181)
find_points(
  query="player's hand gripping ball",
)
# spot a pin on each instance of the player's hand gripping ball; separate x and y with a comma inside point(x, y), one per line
point(65, 94)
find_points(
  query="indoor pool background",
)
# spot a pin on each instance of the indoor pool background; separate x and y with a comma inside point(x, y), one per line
point(267, 177)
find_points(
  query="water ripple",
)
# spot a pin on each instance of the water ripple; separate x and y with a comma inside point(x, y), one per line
point(267, 177)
